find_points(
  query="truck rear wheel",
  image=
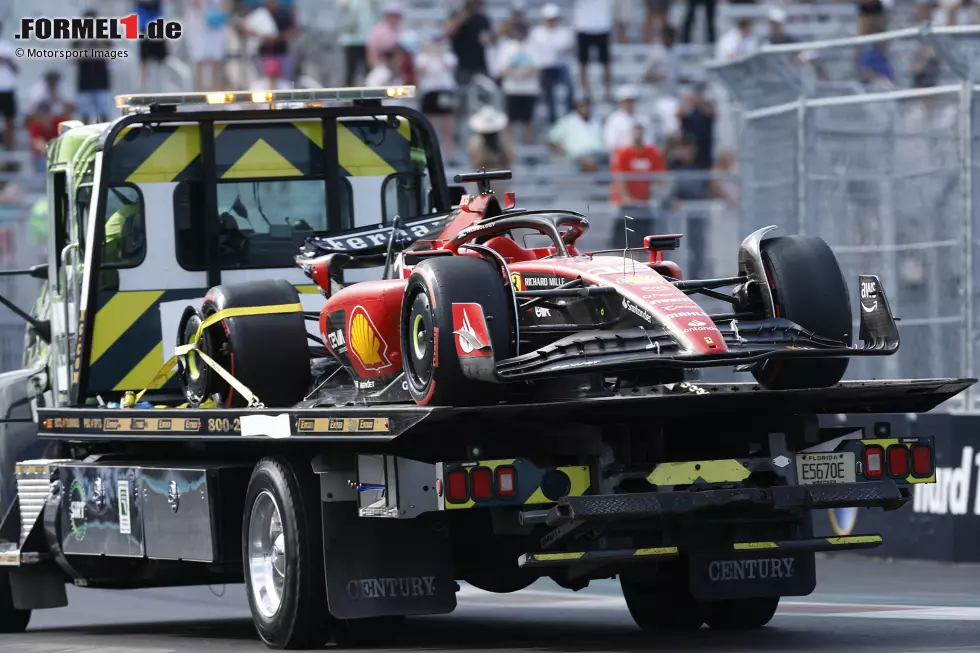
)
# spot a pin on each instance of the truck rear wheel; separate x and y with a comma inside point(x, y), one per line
point(282, 551)
point(12, 620)
point(662, 602)
point(808, 288)
point(741, 614)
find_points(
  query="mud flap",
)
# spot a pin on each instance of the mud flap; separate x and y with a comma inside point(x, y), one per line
point(378, 567)
point(717, 576)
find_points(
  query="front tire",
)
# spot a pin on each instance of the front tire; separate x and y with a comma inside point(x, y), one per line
point(741, 614)
point(808, 288)
point(282, 551)
point(428, 344)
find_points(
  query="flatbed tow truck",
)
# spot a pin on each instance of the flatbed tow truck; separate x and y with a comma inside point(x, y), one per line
point(344, 517)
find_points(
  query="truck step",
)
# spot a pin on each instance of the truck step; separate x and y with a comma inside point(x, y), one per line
point(812, 544)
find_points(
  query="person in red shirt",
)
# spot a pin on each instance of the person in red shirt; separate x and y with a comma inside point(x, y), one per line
point(633, 170)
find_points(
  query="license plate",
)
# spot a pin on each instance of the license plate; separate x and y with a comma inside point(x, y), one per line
point(820, 468)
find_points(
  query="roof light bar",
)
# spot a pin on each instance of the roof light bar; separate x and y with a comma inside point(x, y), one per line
point(292, 97)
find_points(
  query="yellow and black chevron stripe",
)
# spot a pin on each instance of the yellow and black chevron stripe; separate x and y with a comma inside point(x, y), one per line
point(702, 471)
point(535, 485)
point(255, 150)
point(814, 543)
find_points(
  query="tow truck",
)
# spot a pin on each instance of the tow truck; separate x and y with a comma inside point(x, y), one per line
point(344, 517)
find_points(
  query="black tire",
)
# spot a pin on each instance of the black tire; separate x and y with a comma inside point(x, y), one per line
point(808, 288)
point(301, 619)
point(370, 631)
point(662, 602)
point(432, 289)
point(741, 614)
point(12, 620)
point(268, 353)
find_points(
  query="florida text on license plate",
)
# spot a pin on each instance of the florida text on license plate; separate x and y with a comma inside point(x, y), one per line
point(825, 468)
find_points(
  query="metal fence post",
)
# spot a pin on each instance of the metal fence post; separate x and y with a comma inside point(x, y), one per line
point(801, 161)
point(966, 135)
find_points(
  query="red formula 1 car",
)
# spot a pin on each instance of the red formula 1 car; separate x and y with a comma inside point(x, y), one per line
point(468, 314)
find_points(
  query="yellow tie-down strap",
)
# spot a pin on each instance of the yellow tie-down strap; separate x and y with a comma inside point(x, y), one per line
point(192, 346)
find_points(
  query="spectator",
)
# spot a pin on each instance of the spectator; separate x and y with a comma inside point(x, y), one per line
point(633, 167)
point(618, 131)
point(8, 90)
point(490, 147)
point(49, 106)
point(593, 22)
point(657, 18)
point(152, 52)
point(390, 69)
point(516, 20)
point(359, 17)
point(93, 83)
point(520, 79)
point(874, 66)
point(383, 38)
point(471, 33)
point(691, 183)
point(697, 118)
point(873, 15)
point(50, 93)
point(578, 137)
point(553, 44)
point(436, 69)
point(963, 12)
point(206, 33)
point(723, 185)
point(709, 18)
point(926, 67)
point(664, 64)
point(278, 64)
point(738, 41)
point(777, 27)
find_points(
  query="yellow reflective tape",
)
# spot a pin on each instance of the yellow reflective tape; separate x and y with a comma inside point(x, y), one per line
point(115, 318)
point(405, 128)
point(749, 546)
point(357, 158)
point(171, 158)
point(308, 289)
point(855, 539)
point(685, 473)
point(313, 129)
point(545, 557)
point(580, 483)
point(261, 160)
point(657, 551)
point(931, 479)
point(143, 373)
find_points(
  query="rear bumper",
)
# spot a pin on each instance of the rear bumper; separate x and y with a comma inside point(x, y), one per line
point(614, 507)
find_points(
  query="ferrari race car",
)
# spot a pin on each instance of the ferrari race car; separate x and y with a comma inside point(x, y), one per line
point(469, 313)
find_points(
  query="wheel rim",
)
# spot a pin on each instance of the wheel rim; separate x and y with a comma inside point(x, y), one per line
point(266, 554)
point(420, 327)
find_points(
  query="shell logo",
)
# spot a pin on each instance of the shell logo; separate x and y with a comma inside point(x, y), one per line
point(365, 341)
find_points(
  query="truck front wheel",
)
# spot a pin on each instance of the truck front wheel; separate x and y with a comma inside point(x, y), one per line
point(662, 601)
point(743, 614)
point(282, 550)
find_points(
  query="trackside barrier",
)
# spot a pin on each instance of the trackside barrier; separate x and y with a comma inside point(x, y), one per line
point(880, 166)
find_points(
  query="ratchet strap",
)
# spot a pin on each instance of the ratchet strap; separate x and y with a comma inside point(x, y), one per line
point(192, 346)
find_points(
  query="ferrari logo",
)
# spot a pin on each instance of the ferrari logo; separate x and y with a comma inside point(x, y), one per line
point(709, 340)
point(517, 282)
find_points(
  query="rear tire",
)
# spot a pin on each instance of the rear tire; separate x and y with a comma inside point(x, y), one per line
point(808, 288)
point(662, 602)
point(12, 620)
point(268, 353)
point(428, 345)
point(282, 553)
point(741, 614)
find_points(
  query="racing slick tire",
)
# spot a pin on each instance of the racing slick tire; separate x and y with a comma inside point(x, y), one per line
point(808, 288)
point(282, 553)
point(269, 353)
point(431, 364)
point(12, 620)
point(741, 614)
point(662, 602)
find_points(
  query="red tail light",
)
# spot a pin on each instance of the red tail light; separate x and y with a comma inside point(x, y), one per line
point(898, 460)
point(456, 491)
point(922, 464)
point(481, 481)
point(874, 461)
point(506, 482)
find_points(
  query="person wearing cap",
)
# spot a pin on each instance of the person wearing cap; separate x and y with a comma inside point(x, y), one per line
point(490, 147)
point(777, 27)
point(384, 36)
point(553, 44)
point(618, 131)
point(435, 67)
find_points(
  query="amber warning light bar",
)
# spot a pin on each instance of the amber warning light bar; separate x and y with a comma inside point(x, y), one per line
point(292, 98)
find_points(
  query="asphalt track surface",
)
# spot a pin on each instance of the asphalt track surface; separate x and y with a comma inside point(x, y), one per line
point(861, 604)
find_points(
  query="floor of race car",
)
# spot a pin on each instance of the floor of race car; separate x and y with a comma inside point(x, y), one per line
point(861, 604)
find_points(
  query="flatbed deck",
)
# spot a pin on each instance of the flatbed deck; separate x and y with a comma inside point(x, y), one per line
point(383, 423)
